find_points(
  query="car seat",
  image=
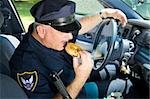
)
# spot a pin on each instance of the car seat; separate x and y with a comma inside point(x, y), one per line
point(9, 88)
point(8, 43)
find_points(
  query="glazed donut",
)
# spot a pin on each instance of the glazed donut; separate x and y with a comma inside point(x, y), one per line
point(73, 49)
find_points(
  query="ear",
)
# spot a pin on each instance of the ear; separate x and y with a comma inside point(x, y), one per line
point(41, 31)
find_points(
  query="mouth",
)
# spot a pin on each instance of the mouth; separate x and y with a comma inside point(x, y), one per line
point(64, 44)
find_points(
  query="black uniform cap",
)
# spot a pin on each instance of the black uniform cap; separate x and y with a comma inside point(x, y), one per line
point(57, 13)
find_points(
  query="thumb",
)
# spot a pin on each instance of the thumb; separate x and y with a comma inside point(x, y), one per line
point(75, 62)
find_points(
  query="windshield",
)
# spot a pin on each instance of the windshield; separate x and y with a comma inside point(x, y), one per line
point(142, 7)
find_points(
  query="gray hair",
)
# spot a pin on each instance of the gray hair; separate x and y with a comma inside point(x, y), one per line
point(35, 24)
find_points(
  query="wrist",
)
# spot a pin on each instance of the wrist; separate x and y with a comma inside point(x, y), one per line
point(75, 87)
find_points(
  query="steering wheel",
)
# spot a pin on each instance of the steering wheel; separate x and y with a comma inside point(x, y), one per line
point(104, 43)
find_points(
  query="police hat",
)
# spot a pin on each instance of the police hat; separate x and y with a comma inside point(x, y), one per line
point(57, 13)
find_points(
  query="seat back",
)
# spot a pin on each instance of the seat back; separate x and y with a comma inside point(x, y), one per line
point(8, 44)
point(9, 88)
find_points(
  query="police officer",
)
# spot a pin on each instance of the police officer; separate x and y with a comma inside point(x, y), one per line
point(42, 52)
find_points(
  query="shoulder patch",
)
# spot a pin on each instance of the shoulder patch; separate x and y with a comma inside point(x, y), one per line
point(28, 80)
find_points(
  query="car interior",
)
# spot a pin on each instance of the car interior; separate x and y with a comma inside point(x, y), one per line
point(130, 45)
point(8, 86)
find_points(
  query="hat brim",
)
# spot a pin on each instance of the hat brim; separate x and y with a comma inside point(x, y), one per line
point(70, 27)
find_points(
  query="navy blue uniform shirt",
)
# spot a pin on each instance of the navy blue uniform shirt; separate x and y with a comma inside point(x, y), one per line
point(32, 63)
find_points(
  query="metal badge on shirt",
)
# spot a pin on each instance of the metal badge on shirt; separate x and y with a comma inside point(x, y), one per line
point(28, 80)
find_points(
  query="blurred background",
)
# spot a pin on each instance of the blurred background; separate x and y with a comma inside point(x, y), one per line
point(83, 8)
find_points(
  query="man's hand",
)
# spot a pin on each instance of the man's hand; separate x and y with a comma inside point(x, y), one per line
point(82, 70)
point(84, 66)
point(114, 13)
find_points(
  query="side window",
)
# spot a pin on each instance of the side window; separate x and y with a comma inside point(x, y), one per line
point(23, 8)
point(87, 7)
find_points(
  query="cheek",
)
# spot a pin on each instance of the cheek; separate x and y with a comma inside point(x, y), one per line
point(50, 37)
point(54, 41)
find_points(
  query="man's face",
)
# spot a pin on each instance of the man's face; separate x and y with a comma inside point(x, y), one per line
point(56, 39)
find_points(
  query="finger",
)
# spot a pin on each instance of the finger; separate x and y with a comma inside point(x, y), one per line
point(124, 21)
point(75, 62)
point(122, 17)
point(83, 54)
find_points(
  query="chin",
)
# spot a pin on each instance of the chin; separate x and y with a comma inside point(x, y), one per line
point(60, 49)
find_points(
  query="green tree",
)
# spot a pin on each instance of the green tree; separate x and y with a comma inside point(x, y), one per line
point(34, 1)
point(30, 1)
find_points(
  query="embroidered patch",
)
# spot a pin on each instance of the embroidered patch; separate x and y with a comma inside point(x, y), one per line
point(28, 80)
